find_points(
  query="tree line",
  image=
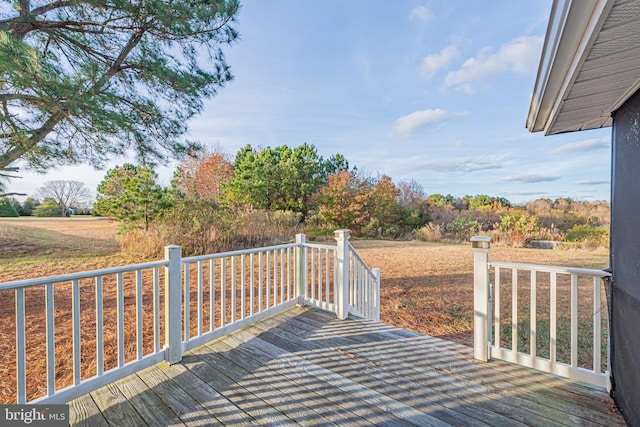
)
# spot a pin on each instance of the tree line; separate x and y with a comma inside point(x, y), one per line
point(262, 195)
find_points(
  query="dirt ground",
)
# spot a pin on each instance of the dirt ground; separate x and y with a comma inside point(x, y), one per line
point(425, 287)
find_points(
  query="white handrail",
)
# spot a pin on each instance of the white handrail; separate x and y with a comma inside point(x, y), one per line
point(550, 268)
point(79, 275)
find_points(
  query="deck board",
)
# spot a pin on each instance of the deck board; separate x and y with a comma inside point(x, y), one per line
point(304, 367)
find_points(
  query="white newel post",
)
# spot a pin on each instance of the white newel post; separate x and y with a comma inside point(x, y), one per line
point(173, 304)
point(342, 284)
point(301, 268)
point(376, 273)
point(481, 245)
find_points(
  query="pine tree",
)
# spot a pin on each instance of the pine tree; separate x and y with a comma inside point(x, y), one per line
point(83, 80)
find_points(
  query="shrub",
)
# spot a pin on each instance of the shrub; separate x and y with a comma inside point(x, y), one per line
point(430, 233)
point(520, 226)
point(588, 236)
point(7, 209)
point(205, 229)
point(48, 208)
point(464, 227)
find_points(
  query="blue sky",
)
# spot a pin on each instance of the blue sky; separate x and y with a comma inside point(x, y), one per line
point(435, 91)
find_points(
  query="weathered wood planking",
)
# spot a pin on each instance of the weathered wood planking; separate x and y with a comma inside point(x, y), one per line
point(413, 354)
point(304, 367)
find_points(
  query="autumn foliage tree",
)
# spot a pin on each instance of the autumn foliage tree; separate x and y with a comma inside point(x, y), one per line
point(202, 177)
point(371, 207)
point(336, 200)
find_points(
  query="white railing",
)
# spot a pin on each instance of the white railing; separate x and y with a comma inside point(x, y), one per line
point(233, 289)
point(364, 288)
point(321, 276)
point(553, 319)
point(89, 291)
point(203, 298)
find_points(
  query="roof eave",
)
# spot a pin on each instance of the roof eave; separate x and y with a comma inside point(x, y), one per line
point(572, 30)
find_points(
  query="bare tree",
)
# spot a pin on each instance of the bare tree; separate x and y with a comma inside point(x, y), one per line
point(66, 194)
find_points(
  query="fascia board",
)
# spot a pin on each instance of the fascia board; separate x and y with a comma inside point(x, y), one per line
point(573, 28)
point(557, 19)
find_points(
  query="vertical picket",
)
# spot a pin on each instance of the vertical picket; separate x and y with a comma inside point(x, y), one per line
point(156, 309)
point(234, 289)
point(260, 293)
point(252, 285)
point(243, 284)
point(200, 302)
point(21, 358)
point(139, 348)
point(223, 292)
point(532, 323)
point(597, 325)
point(496, 309)
point(326, 277)
point(553, 314)
point(212, 294)
point(514, 311)
point(120, 297)
point(574, 320)
point(99, 328)
point(275, 277)
point(187, 301)
point(50, 326)
point(289, 267)
point(282, 276)
point(268, 279)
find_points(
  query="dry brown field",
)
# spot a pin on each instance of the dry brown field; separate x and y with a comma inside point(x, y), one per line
point(425, 287)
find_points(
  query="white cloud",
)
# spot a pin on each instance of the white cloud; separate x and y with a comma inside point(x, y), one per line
point(590, 182)
point(586, 145)
point(410, 124)
point(519, 56)
point(421, 13)
point(431, 64)
point(529, 179)
point(461, 164)
point(523, 193)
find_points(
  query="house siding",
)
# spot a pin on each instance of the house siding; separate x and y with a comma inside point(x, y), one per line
point(625, 259)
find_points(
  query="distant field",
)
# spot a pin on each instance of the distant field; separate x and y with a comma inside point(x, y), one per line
point(34, 247)
point(426, 287)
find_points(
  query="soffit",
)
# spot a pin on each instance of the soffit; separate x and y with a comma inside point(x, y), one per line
point(592, 65)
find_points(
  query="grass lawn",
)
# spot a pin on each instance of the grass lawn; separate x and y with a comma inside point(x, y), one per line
point(425, 287)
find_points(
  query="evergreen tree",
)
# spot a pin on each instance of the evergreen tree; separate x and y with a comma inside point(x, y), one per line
point(82, 80)
point(130, 194)
point(7, 209)
point(281, 178)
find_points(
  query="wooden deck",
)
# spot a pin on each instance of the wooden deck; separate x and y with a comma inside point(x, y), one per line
point(305, 367)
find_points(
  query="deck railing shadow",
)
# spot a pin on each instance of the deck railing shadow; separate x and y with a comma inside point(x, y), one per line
point(304, 366)
point(120, 320)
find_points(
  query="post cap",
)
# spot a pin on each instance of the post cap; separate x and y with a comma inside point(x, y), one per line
point(481, 242)
point(341, 234)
